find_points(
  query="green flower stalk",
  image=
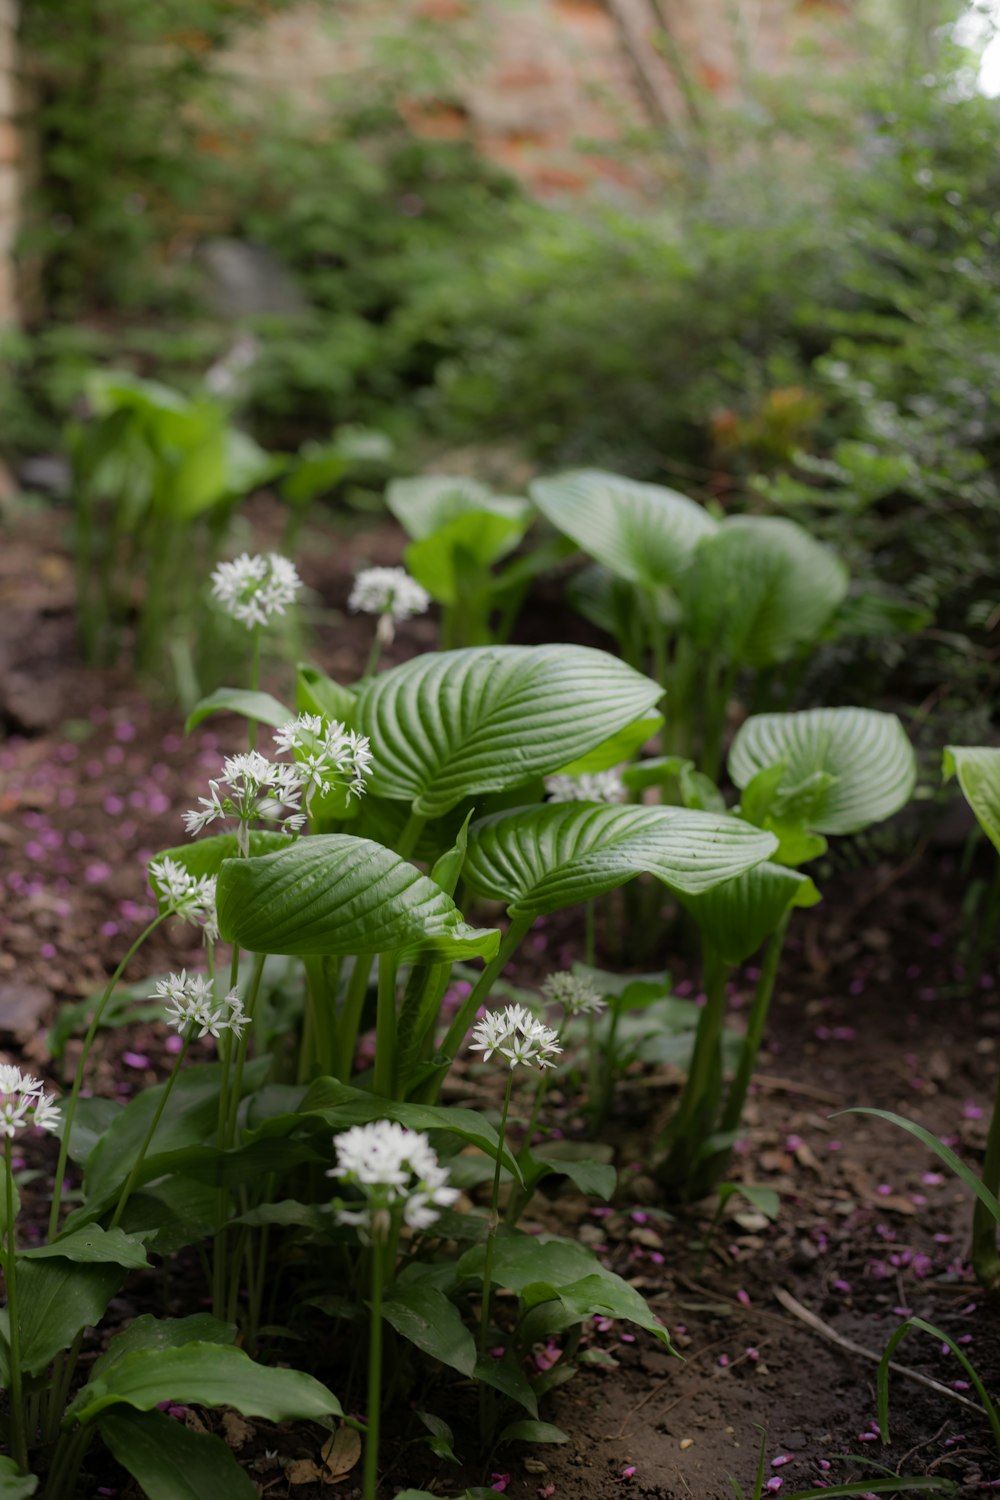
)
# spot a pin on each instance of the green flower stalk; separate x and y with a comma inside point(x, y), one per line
point(399, 1181)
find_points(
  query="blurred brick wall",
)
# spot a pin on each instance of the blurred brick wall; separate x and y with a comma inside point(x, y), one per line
point(550, 86)
point(10, 158)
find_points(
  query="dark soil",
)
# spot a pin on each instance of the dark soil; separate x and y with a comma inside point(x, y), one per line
point(874, 1007)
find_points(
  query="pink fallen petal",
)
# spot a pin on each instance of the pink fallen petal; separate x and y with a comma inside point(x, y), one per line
point(500, 1482)
point(135, 1059)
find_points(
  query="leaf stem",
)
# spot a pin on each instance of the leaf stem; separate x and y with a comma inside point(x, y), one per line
point(374, 1376)
point(133, 1176)
point(384, 1082)
point(485, 1394)
point(18, 1436)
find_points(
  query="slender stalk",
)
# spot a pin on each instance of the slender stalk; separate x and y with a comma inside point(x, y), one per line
point(374, 1376)
point(733, 1112)
point(18, 1435)
point(350, 1017)
point(463, 1020)
point(254, 683)
point(694, 1114)
point(133, 1176)
point(985, 1257)
point(222, 1121)
point(78, 1076)
point(373, 655)
point(412, 829)
point(384, 1082)
point(485, 1394)
point(590, 934)
point(236, 1092)
point(607, 1068)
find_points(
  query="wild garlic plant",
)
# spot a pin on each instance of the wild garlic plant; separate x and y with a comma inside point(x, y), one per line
point(390, 594)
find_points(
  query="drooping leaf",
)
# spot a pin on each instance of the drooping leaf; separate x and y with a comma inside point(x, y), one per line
point(169, 1461)
point(866, 755)
point(204, 1374)
point(759, 589)
point(334, 894)
point(93, 1246)
point(941, 1151)
point(260, 707)
point(978, 770)
point(644, 533)
point(430, 1320)
point(152, 1334)
point(541, 859)
point(597, 1179)
point(424, 504)
point(455, 723)
point(735, 918)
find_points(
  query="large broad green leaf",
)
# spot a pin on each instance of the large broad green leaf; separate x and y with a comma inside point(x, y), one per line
point(644, 533)
point(759, 589)
point(56, 1298)
point(865, 755)
point(619, 747)
point(456, 723)
point(540, 859)
point(735, 918)
point(93, 1246)
point(204, 1374)
point(978, 770)
point(13, 1484)
point(426, 1317)
point(467, 544)
point(316, 693)
point(170, 1461)
point(334, 894)
point(425, 504)
point(205, 856)
point(258, 706)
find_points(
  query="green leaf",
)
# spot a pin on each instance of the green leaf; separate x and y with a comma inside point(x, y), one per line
point(870, 613)
point(150, 1334)
point(464, 547)
point(567, 1270)
point(170, 1462)
point(424, 505)
point(447, 869)
point(13, 1484)
point(532, 1432)
point(441, 1440)
point(764, 1199)
point(941, 1151)
point(93, 1246)
point(507, 1375)
point(260, 707)
point(978, 770)
point(334, 894)
point(618, 747)
point(205, 856)
point(866, 755)
point(541, 859)
point(861, 1487)
point(56, 1298)
point(428, 1319)
point(644, 533)
point(342, 1106)
point(315, 693)
point(759, 589)
point(597, 1179)
point(204, 1374)
point(456, 723)
point(735, 918)
point(942, 1338)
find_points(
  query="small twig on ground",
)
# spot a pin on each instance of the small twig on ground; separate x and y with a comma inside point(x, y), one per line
point(792, 1086)
point(849, 1346)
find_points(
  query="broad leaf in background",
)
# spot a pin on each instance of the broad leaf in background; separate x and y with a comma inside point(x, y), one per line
point(759, 588)
point(978, 770)
point(56, 1299)
point(170, 1461)
point(426, 1317)
point(467, 543)
point(93, 1246)
point(644, 533)
point(541, 859)
point(205, 856)
point(452, 724)
point(424, 505)
point(13, 1484)
point(865, 755)
point(736, 917)
point(153, 1334)
point(334, 894)
point(250, 705)
point(619, 747)
point(316, 693)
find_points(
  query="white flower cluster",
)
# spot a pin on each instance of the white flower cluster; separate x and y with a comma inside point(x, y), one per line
point(598, 786)
point(518, 1036)
point(397, 1173)
point(328, 755)
point(190, 897)
point(24, 1102)
point(190, 1001)
point(251, 787)
point(252, 589)
point(391, 591)
point(576, 996)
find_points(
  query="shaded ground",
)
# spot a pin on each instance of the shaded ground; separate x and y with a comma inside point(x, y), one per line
point(874, 1007)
